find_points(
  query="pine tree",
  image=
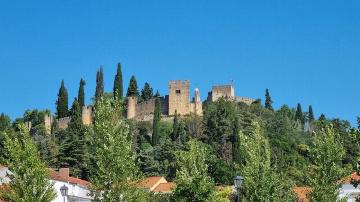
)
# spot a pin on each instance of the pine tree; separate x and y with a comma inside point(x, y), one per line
point(146, 92)
point(311, 115)
point(81, 93)
point(29, 178)
point(268, 101)
point(74, 146)
point(156, 123)
point(133, 88)
point(99, 92)
point(118, 83)
point(62, 105)
point(299, 114)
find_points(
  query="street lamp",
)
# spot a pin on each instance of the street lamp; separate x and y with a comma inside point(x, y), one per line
point(237, 183)
point(64, 191)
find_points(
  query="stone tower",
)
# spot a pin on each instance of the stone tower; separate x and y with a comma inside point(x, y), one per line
point(197, 102)
point(86, 115)
point(131, 107)
point(179, 97)
point(225, 91)
point(48, 122)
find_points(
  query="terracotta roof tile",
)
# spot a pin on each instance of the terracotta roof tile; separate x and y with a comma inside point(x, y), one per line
point(353, 177)
point(150, 182)
point(302, 193)
point(54, 175)
point(165, 187)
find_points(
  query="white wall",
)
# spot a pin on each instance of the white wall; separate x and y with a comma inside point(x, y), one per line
point(3, 178)
point(349, 191)
point(76, 193)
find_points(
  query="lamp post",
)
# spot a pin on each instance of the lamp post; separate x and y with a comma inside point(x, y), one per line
point(64, 191)
point(237, 183)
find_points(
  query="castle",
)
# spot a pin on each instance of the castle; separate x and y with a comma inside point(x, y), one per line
point(177, 101)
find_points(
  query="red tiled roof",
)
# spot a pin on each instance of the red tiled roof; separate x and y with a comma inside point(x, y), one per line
point(54, 175)
point(302, 193)
point(165, 187)
point(352, 178)
point(78, 181)
point(150, 182)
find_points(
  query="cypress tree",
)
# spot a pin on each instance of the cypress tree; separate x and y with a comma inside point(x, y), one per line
point(62, 105)
point(118, 83)
point(133, 87)
point(299, 114)
point(156, 123)
point(311, 114)
point(157, 94)
point(81, 93)
point(175, 127)
point(146, 92)
point(268, 101)
point(99, 92)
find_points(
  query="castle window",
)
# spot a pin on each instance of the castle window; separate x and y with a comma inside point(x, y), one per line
point(177, 91)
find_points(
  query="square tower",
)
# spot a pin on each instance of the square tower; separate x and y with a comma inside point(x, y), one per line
point(179, 97)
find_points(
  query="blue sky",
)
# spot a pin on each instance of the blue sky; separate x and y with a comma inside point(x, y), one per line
point(303, 51)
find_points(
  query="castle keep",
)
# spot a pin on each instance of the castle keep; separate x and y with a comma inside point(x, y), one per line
point(177, 101)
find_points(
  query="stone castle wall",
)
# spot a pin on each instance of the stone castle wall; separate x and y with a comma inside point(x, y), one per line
point(226, 91)
point(63, 123)
point(245, 100)
point(86, 115)
point(146, 108)
point(179, 97)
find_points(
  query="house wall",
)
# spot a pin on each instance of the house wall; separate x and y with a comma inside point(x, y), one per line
point(349, 191)
point(76, 193)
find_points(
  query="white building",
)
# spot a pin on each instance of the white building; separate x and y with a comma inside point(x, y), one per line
point(77, 189)
point(348, 190)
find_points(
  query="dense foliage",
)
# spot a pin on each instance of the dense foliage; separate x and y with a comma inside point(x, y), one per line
point(273, 149)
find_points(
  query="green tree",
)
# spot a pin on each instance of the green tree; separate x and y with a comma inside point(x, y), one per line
point(30, 178)
point(299, 115)
point(115, 160)
point(261, 182)
point(118, 83)
point(311, 115)
point(81, 93)
point(192, 180)
point(179, 133)
point(62, 103)
point(268, 101)
point(99, 91)
point(133, 87)
point(219, 125)
point(146, 92)
point(5, 122)
point(156, 123)
point(5, 125)
point(326, 154)
point(73, 147)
